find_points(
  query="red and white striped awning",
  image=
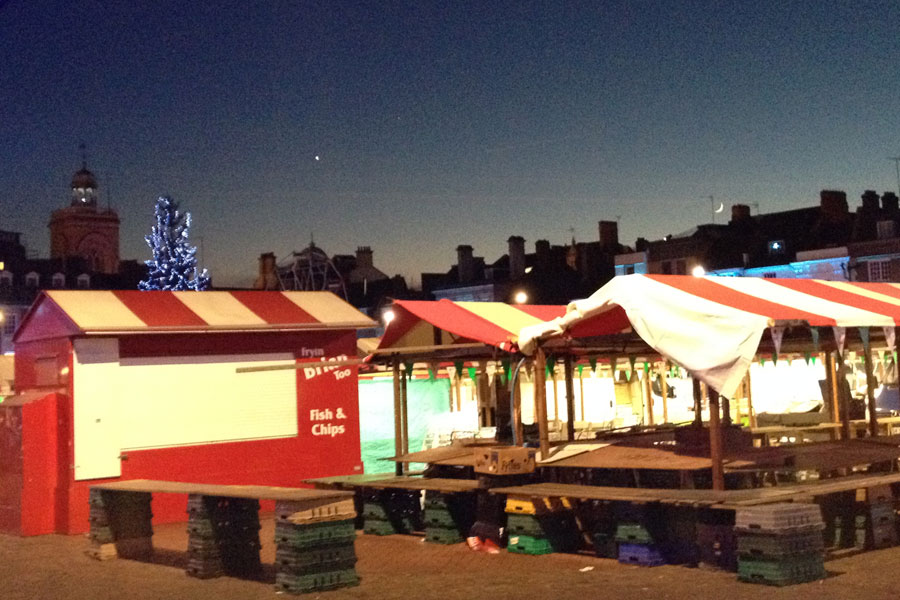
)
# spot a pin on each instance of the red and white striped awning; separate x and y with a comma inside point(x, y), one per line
point(132, 311)
point(443, 322)
point(712, 326)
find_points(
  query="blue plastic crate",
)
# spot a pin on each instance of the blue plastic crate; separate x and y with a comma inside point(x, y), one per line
point(644, 555)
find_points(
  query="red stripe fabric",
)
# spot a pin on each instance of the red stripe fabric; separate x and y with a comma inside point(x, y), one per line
point(709, 290)
point(544, 312)
point(841, 296)
point(159, 309)
point(454, 319)
point(273, 308)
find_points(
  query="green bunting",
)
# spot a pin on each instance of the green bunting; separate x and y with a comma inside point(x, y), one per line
point(580, 370)
point(459, 364)
point(646, 368)
point(507, 369)
point(593, 362)
point(473, 373)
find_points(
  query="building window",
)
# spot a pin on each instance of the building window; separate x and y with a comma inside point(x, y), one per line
point(879, 270)
point(10, 320)
point(32, 280)
point(84, 281)
point(667, 267)
point(5, 279)
point(59, 280)
point(885, 230)
point(681, 267)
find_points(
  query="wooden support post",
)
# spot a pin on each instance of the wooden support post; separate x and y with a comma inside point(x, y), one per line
point(715, 441)
point(540, 401)
point(555, 395)
point(570, 399)
point(726, 410)
point(698, 402)
point(831, 382)
point(648, 394)
point(581, 392)
point(842, 402)
point(398, 418)
point(664, 388)
point(751, 414)
point(870, 392)
point(458, 385)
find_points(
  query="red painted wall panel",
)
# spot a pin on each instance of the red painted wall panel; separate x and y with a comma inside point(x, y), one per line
point(11, 469)
point(39, 443)
point(327, 442)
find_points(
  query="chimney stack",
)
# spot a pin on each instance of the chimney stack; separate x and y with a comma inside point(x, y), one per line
point(833, 204)
point(363, 257)
point(465, 265)
point(739, 212)
point(609, 236)
point(870, 200)
point(516, 256)
point(267, 279)
point(889, 202)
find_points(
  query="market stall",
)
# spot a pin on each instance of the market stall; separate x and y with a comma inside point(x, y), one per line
point(147, 388)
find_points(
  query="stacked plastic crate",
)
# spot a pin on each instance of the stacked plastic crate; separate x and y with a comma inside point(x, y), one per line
point(780, 544)
point(540, 525)
point(876, 521)
point(638, 535)
point(716, 544)
point(120, 524)
point(314, 545)
point(448, 517)
point(223, 536)
point(386, 512)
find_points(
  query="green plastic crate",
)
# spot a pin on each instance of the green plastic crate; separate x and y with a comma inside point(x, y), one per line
point(315, 582)
point(758, 545)
point(522, 524)
point(439, 517)
point(443, 535)
point(324, 533)
point(785, 571)
point(526, 544)
point(633, 533)
point(312, 559)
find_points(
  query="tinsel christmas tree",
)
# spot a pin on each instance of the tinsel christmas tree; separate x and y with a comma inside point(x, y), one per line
point(174, 263)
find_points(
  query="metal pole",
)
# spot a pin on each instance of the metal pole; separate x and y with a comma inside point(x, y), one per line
point(515, 401)
point(398, 419)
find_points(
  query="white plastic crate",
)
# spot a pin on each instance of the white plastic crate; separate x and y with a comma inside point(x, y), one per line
point(779, 517)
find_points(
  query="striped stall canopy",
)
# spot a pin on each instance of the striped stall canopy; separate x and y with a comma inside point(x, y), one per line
point(89, 311)
point(712, 326)
point(443, 322)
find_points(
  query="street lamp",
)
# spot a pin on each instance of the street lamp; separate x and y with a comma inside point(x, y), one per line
point(698, 271)
point(521, 297)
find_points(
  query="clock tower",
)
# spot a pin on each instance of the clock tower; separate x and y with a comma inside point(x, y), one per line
point(85, 230)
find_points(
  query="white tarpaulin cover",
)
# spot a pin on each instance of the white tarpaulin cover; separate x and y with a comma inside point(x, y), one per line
point(712, 326)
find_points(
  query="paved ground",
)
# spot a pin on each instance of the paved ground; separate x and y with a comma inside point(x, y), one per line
point(405, 568)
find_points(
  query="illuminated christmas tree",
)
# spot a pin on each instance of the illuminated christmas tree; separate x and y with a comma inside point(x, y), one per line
point(174, 263)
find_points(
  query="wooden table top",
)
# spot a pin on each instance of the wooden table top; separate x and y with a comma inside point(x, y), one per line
point(388, 481)
point(728, 499)
point(256, 492)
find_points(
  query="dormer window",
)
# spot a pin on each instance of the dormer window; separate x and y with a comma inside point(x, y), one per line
point(32, 280)
point(83, 281)
point(6, 278)
point(59, 280)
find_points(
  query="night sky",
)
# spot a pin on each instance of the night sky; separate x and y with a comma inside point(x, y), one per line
point(438, 124)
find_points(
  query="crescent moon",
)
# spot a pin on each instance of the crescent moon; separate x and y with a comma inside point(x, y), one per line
point(721, 208)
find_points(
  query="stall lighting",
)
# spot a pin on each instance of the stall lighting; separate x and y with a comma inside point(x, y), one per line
point(388, 316)
point(698, 271)
point(521, 297)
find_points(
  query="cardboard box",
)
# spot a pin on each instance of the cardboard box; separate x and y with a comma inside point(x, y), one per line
point(504, 461)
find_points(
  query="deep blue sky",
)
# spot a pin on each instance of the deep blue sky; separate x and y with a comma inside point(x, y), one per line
point(440, 123)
